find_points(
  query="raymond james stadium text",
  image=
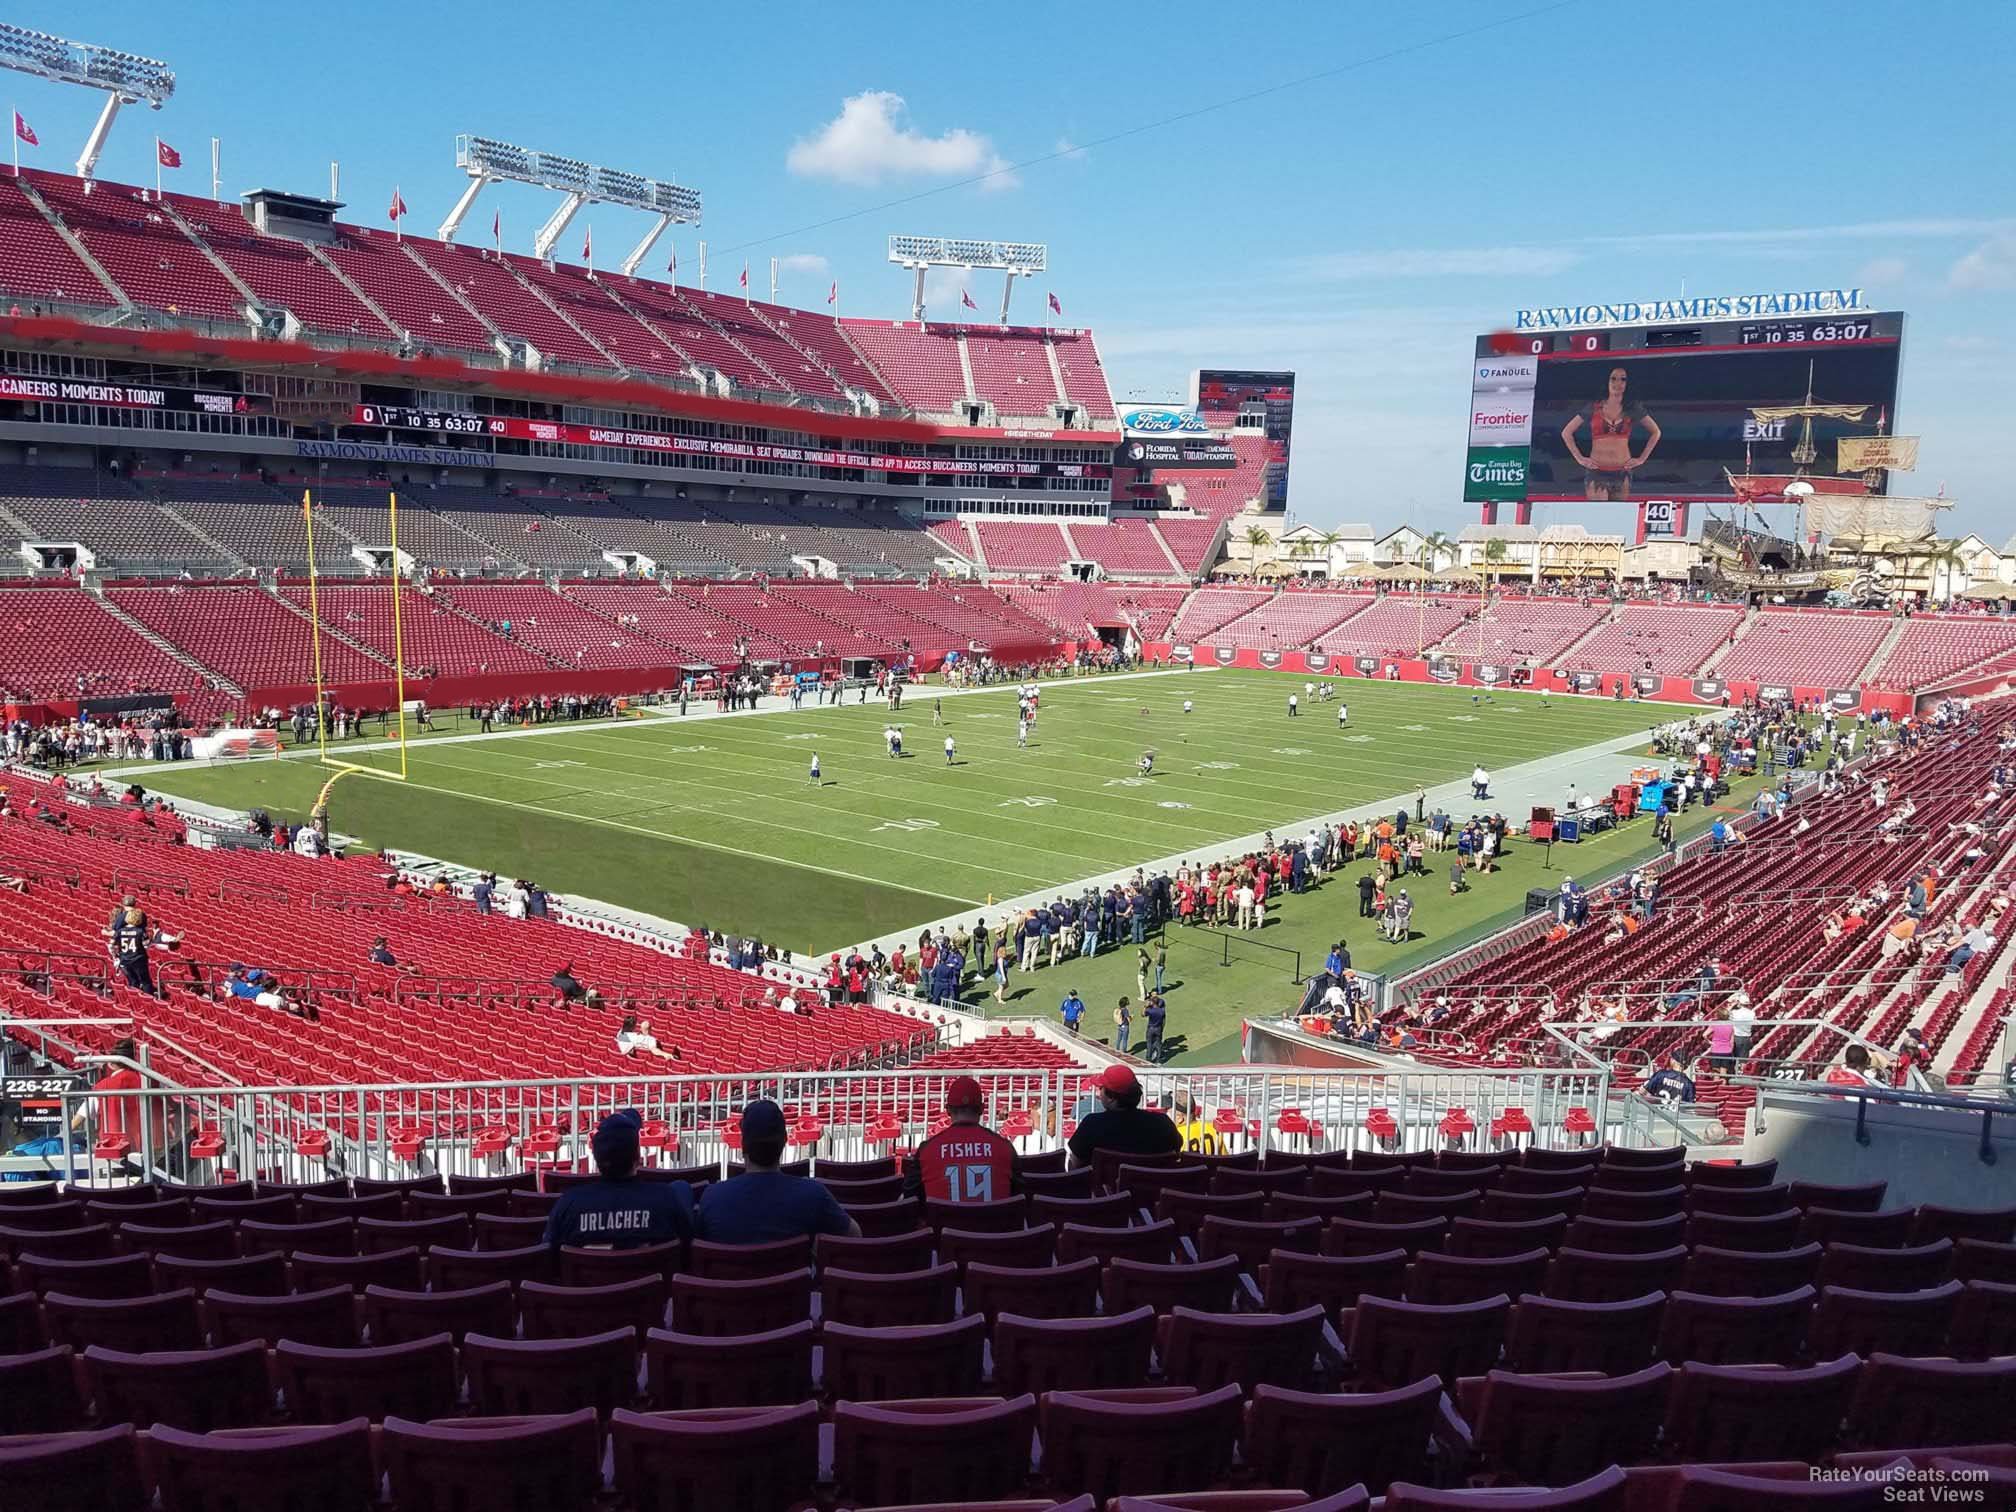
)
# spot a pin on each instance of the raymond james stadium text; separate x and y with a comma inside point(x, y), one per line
point(1709, 307)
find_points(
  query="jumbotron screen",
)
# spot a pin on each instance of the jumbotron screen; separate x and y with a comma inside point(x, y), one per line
point(1220, 394)
point(1668, 412)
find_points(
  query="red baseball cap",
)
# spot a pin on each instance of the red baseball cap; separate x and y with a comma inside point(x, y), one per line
point(964, 1092)
point(1117, 1078)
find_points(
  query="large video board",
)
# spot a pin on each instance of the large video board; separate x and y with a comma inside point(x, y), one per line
point(1668, 412)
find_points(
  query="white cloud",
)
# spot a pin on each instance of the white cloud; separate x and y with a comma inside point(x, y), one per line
point(1992, 265)
point(802, 262)
point(942, 287)
point(1916, 230)
point(1070, 151)
point(872, 140)
point(1879, 272)
point(1447, 262)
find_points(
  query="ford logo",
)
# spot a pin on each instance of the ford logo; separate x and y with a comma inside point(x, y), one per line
point(1163, 421)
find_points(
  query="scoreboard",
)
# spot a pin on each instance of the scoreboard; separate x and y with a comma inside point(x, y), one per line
point(1666, 412)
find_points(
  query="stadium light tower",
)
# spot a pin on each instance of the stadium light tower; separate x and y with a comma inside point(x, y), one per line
point(1012, 259)
point(486, 160)
point(126, 78)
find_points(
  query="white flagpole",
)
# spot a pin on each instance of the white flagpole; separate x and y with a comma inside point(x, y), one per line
point(216, 166)
point(333, 167)
point(773, 280)
point(398, 221)
point(703, 266)
point(157, 170)
point(14, 136)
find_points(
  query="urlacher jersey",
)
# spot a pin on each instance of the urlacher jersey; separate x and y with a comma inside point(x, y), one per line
point(966, 1163)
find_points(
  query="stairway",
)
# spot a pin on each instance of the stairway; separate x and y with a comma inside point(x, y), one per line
point(196, 239)
point(329, 266)
point(76, 245)
point(726, 335)
point(327, 629)
point(572, 324)
point(1071, 542)
point(1882, 652)
point(973, 542)
point(880, 376)
point(211, 541)
point(496, 336)
point(1154, 534)
point(1743, 628)
point(1565, 657)
point(1056, 372)
point(966, 369)
point(162, 643)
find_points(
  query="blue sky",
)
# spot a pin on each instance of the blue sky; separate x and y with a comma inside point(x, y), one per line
point(1359, 229)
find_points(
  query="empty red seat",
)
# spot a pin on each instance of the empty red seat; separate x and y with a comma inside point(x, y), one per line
point(560, 1312)
point(1291, 1280)
point(1719, 1413)
point(1207, 1349)
point(1037, 1291)
point(1206, 1285)
point(1899, 1402)
point(732, 1307)
point(1397, 1343)
point(1325, 1443)
point(717, 1457)
point(1604, 1492)
point(747, 1262)
point(395, 1316)
point(318, 1466)
point(325, 1318)
point(1073, 1354)
point(167, 1320)
point(1847, 1320)
point(1984, 1320)
point(323, 1385)
point(513, 1377)
point(903, 1300)
point(1748, 1273)
point(112, 1276)
point(942, 1360)
point(1016, 1249)
point(261, 1275)
point(1442, 1279)
point(1153, 1242)
point(943, 1450)
point(38, 1392)
point(550, 1462)
point(196, 1389)
point(1588, 1276)
point(99, 1470)
point(684, 1371)
point(453, 1269)
point(1543, 1429)
point(1736, 1330)
point(394, 1267)
point(1121, 1443)
point(1548, 1335)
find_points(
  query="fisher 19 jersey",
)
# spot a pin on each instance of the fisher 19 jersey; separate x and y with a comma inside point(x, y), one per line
point(966, 1163)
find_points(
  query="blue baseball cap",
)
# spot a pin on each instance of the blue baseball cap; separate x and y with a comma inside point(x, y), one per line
point(762, 1119)
point(617, 1135)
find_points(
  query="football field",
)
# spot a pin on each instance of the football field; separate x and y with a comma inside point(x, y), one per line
point(716, 820)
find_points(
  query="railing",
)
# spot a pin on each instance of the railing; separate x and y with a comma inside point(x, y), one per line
point(1229, 943)
point(1897, 1097)
point(195, 1134)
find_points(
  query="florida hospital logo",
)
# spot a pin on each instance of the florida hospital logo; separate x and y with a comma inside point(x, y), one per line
point(1508, 472)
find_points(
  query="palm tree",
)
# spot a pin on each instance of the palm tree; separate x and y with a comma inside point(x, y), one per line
point(1434, 546)
point(1946, 557)
point(1328, 542)
point(1495, 554)
point(1257, 537)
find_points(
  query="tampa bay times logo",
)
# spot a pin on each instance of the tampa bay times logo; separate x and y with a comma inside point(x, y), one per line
point(1499, 472)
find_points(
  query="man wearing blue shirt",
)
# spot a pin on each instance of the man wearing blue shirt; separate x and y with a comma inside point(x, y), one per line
point(764, 1205)
point(1073, 1009)
point(620, 1210)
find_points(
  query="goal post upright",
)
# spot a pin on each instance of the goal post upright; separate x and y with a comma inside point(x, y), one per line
point(398, 635)
point(315, 629)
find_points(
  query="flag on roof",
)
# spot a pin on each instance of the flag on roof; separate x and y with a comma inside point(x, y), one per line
point(165, 155)
point(833, 294)
point(967, 300)
point(745, 276)
point(398, 206)
point(588, 245)
point(24, 131)
point(1055, 307)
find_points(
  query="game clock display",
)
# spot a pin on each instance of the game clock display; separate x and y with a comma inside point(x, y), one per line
point(1798, 332)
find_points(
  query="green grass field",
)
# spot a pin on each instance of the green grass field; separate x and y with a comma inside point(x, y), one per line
point(714, 821)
